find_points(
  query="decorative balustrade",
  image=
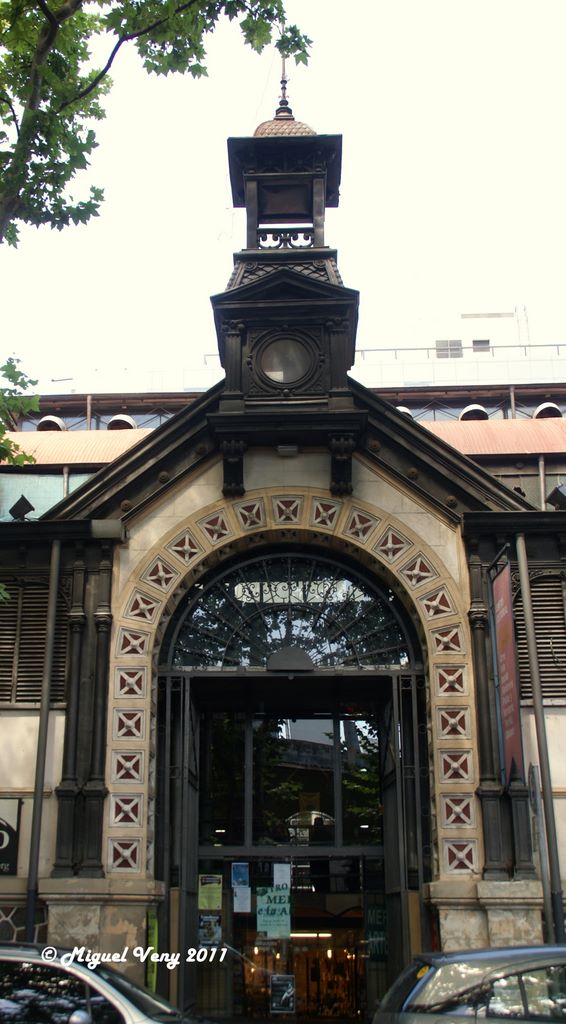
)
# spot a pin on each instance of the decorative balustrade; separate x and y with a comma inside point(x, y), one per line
point(285, 238)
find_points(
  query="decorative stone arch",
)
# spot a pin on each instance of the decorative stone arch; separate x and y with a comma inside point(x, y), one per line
point(369, 535)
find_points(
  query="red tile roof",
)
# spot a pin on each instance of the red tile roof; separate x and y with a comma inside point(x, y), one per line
point(77, 447)
point(502, 437)
point(471, 437)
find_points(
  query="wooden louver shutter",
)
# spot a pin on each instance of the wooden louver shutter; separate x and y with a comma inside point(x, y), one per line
point(23, 634)
point(548, 595)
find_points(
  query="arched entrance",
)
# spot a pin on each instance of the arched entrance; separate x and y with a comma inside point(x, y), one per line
point(292, 778)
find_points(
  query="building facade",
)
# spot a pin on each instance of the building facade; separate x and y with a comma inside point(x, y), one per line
point(248, 692)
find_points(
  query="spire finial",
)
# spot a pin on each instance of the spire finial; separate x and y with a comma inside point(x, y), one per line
point(284, 110)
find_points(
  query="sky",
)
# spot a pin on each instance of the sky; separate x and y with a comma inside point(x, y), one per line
point(453, 194)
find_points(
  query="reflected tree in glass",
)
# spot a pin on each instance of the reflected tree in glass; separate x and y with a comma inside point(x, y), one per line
point(361, 784)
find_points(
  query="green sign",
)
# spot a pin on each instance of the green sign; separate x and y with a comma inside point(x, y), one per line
point(274, 911)
point(376, 931)
point(152, 938)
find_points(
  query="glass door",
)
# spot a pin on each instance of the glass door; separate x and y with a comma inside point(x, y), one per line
point(251, 784)
point(332, 954)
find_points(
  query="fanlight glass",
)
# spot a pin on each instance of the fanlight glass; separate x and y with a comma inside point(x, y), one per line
point(291, 600)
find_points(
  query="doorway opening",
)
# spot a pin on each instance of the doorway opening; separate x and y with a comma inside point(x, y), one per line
point(292, 805)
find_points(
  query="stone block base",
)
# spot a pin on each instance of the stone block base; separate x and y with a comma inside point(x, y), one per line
point(473, 914)
point(103, 915)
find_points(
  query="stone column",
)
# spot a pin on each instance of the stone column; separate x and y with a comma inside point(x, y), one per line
point(95, 791)
point(490, 791)
point(68, 789)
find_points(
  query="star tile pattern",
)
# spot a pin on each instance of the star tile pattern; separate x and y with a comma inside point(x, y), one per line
point(142, 605)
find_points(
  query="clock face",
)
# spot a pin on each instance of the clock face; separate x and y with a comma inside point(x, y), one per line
point(285, 360)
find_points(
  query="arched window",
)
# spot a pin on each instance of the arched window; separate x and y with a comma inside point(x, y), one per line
point(290, 601)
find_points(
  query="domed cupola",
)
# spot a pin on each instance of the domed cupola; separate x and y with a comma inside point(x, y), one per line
point(284, 122)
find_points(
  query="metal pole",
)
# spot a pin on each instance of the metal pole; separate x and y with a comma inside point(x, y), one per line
point(534, 790)
point(546, 781)
point(32, 887)
point(542, 481)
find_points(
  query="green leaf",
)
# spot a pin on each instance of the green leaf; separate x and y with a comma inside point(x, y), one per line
point(50, 95)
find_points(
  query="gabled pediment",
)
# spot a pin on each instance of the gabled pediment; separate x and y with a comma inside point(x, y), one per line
point(285, 294)
point(286, 284)
point(147, 472)
point(279, 297)
point(435, 472)
point(394, 448)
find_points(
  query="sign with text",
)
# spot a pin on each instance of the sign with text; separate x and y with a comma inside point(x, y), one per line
point(9, 835)
point(240, 873)
point(282, 993)
point(210, 892)
point(376, 931)
point(242, 899)
point(282, 876)
point(273, 910)
point(509, 709)
point(209, 929)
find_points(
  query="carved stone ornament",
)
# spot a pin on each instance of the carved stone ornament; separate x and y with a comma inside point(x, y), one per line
point(233, 460)
point(341, 449)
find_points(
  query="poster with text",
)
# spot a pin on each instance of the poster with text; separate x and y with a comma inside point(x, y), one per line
point(282, 875)
point(282, 993)
point(240, 873)
point(273, 912)
point(242, 899)
point(509, 707)
point(9, 835)
point(209, 929)
point(210, 892)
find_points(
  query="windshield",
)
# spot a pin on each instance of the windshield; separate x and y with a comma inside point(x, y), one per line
point(409, 983)
point(148, 1002)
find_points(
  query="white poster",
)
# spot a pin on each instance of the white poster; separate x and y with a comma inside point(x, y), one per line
point(282, 876)
point(242, 899)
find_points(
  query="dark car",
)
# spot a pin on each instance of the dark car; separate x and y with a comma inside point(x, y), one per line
point(35, 989)
point(523, 983)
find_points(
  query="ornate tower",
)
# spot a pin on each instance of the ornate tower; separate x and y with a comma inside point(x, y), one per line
point(286, 325)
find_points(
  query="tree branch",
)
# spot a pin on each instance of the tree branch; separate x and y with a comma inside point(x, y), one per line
point(4, 98)
point(48, 14)
point(127, 38)
point(45, 44)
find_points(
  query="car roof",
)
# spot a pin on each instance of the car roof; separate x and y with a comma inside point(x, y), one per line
point(493, 955)
point(23, 947)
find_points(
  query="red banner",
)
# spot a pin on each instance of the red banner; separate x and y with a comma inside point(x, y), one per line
point(507, 671)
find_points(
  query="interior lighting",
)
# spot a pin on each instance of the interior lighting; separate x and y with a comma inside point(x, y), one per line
point(364, 826)
point(256, 950)
point(287, 451)
point(220, 831)
point(329, 954)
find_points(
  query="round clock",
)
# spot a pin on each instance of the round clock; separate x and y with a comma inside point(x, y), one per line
point(285, 360)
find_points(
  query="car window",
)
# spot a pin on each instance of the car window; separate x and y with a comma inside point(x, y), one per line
point(534, 995)
point(32, 993)
point(506, 998)
point(545, 990)
point(467, 1005)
